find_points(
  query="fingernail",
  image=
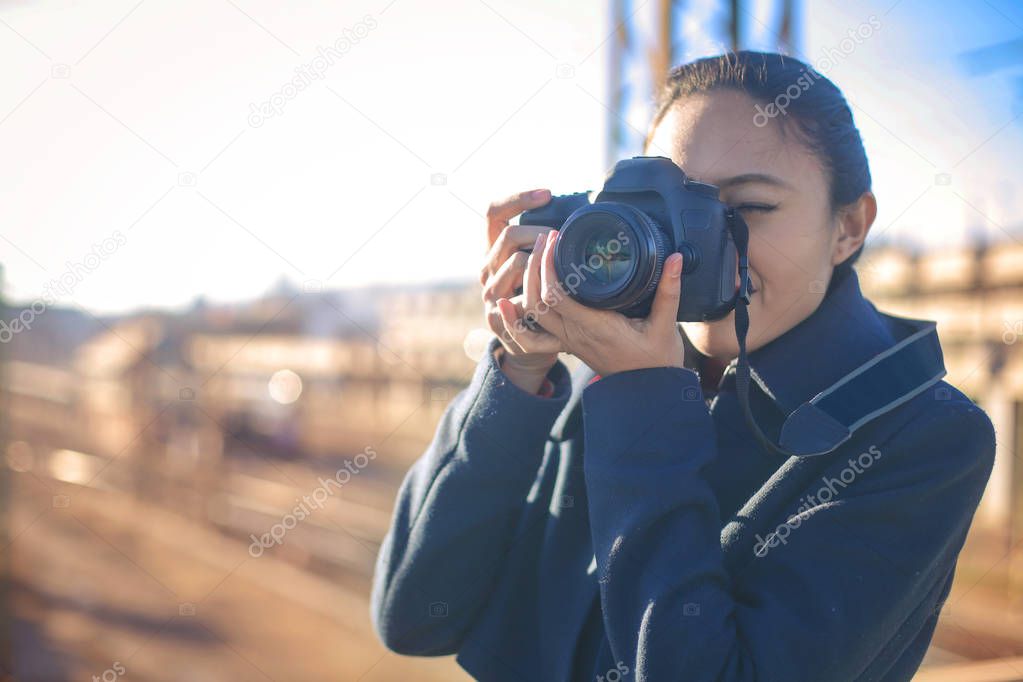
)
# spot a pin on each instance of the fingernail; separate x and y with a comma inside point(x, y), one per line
point(538, 193)
point(540, 238)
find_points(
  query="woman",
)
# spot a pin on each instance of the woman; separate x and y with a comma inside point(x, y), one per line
point(678, 548)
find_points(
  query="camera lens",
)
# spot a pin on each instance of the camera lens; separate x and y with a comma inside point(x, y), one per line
point(610, 255)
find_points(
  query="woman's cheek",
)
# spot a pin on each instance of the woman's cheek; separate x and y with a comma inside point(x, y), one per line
point(792, 262)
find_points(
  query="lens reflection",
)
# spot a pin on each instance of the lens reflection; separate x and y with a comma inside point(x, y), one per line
point(607, 257)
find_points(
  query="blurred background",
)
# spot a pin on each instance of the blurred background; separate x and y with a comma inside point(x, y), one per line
point(239, 248)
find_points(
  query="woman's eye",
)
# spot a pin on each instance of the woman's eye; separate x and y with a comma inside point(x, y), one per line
point(756, 207)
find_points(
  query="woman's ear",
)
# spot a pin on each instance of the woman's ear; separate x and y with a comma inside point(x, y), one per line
point(854, 223)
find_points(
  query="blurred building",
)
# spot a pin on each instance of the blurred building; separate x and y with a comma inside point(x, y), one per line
point(292, 373)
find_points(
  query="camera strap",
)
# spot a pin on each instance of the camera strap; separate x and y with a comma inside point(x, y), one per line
point(740, 236)
point(820, 425)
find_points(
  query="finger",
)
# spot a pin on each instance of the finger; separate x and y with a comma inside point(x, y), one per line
point(496, 324)
point(530, 341)
point(502, 211)
point(514, 325)
point(664, 309)
point(511, 239)
point(507, 278)
point(509, 318)
point(552, 293)
point(548, 278)
point(531, 278)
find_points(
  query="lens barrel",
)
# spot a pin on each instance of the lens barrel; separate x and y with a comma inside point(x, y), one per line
point(610, 255)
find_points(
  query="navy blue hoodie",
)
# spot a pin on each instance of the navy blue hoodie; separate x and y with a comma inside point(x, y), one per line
point(631, 528)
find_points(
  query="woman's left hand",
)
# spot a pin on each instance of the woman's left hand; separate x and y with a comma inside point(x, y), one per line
point(605, 340)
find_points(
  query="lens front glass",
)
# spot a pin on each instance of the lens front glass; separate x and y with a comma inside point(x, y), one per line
point(608, 257)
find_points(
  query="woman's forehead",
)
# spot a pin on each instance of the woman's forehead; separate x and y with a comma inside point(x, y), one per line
point(716, 136)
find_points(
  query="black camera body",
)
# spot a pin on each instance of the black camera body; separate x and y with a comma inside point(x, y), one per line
point(610, 253)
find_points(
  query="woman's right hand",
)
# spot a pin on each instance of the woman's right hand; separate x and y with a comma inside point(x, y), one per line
point(526, 361)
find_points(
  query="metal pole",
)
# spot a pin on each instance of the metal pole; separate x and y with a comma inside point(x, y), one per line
point(6, 617)
point(660, 55)
point(734, 29)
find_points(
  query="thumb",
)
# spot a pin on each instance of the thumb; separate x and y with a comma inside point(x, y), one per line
point(664, 310)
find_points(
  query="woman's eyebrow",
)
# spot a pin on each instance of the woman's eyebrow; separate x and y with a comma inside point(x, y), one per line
point(746, 178)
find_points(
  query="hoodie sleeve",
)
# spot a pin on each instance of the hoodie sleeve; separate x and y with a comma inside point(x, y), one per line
point(455, 512)
point(824, 598)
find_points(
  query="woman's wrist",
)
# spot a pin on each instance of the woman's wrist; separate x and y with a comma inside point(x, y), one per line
point(528, 375)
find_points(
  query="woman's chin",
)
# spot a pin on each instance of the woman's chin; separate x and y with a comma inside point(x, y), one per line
point(714, 339)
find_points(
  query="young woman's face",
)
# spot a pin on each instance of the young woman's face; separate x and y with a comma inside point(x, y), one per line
point(784, 191)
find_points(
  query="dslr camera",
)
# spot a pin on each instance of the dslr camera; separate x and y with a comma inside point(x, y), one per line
point(610, 252)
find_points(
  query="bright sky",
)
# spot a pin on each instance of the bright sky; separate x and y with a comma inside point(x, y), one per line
point(133, 122)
